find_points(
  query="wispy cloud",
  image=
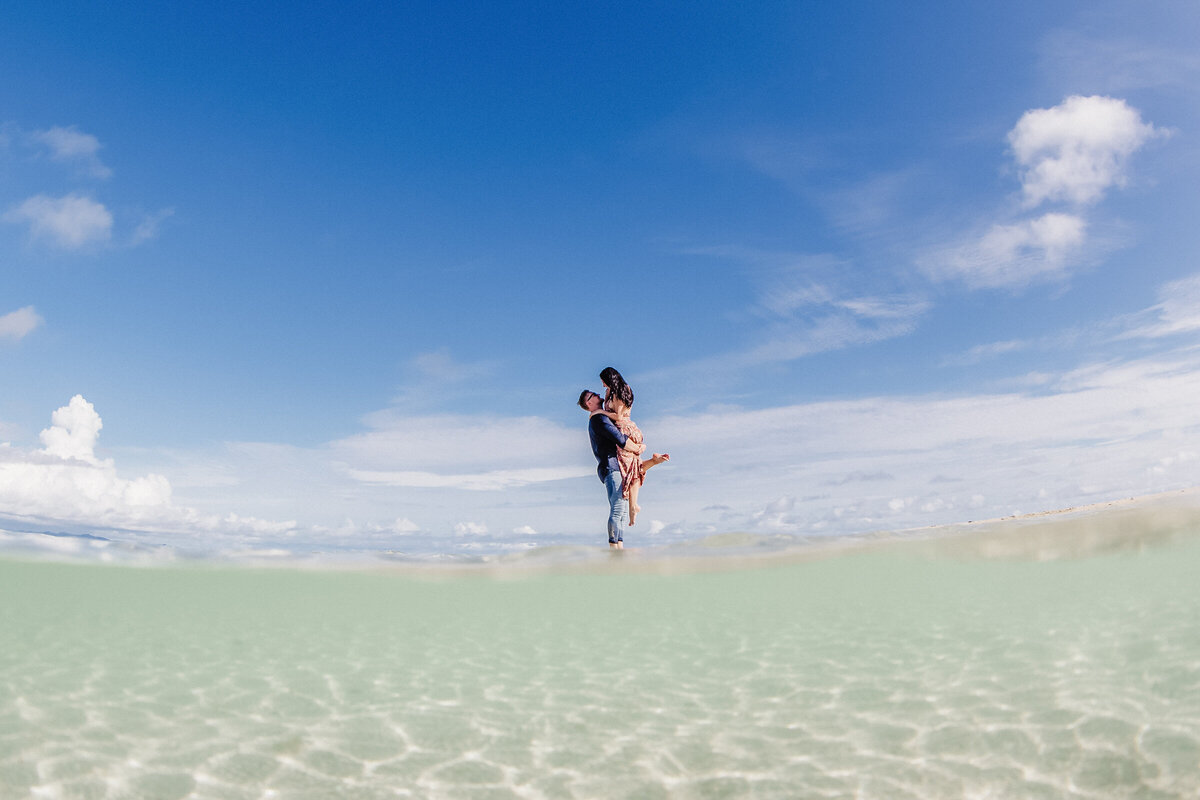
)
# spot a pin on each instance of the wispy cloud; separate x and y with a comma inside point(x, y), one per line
point(16, 325)
point(458, 444)
point(806, 305)
point(1115, 65)
point(791, 158)
point(836, 466)
point(70, 222)
point(1100, 430)
point(476, 482)
point(148, 228)
point(437, 380)
point(834, 325)
point(72, 146)
point(1177, 312)
point(983, 352)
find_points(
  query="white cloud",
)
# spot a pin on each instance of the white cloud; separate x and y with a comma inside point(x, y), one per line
point(1071, 153)
point(983, 352)
point(1072, 59)
point(70, 222)
point(1103, 430)
point(806, 309)
point(434, 379)
point(16, 325)
point(1015, 255)
point(1177, 312)
point(73, 434)
point(475, 482)
point(148, 228)
point(482, 447)
point(73, 146)
point(849, 323)
point(403, 525)
point(65, 481)
point(1076, 150)
point(253, 525)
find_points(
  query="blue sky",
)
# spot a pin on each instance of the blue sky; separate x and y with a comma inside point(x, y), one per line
point(334, 275)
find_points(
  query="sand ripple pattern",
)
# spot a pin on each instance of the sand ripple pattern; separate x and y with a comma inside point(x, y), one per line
point(872, 676)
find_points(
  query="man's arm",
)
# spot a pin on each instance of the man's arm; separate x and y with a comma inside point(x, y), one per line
point(610, 430)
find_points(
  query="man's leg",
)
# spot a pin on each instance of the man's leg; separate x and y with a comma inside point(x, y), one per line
point(618, 509)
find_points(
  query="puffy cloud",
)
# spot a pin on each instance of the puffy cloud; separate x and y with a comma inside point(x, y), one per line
point(1073, 153)
point(404, 525)
point(70, 222)
point(73, 434)
point(1017, 254)
point(18, 324)
point(524, 530)
point(470, 529)
point(65, 481)
point(1076, 150)
point(73, 146)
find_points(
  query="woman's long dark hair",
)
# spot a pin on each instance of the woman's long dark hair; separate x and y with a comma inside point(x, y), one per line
point(616, 385)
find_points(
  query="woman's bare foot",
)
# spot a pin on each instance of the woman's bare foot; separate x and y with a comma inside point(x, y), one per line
point(633, 512)
point(659, 458)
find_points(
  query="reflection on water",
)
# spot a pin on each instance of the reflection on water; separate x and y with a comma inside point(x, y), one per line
point(1059, 659)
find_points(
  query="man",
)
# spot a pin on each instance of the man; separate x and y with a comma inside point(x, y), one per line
point(606, 440)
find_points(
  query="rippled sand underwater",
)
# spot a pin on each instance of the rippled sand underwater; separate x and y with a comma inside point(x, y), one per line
point(908, 671)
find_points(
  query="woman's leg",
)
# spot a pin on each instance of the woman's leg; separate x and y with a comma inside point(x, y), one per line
point(654, 461)
point(634, 508)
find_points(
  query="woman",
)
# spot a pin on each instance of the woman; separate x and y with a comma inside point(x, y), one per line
point(618, 400)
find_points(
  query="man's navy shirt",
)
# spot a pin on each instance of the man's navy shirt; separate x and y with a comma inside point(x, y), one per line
point(606, 441)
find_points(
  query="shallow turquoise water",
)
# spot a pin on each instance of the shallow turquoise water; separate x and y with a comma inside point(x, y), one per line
point(893, 673)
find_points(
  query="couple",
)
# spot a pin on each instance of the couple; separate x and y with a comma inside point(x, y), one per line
point(617, 445)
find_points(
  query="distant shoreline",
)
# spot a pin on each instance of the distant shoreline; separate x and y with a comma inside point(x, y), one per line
point(1119, 524)
point(1137, 500)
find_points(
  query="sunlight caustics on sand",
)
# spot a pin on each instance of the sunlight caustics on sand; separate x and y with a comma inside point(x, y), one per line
point(907, 671)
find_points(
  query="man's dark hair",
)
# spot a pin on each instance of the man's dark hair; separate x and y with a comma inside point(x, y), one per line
point(583, 396)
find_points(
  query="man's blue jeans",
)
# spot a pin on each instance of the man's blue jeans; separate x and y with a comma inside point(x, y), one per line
point(618, 507)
